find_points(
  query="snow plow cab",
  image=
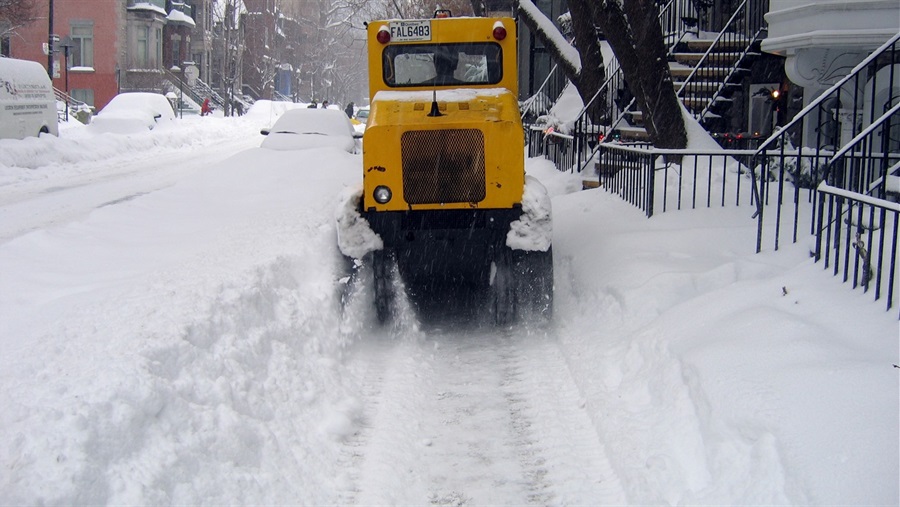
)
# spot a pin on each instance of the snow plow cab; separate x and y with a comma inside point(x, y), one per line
point(443, 159)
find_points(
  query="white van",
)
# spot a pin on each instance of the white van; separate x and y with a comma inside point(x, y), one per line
point(27, 103)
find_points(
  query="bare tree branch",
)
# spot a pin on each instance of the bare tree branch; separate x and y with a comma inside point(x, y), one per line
point(536, 22)
point(15, 14)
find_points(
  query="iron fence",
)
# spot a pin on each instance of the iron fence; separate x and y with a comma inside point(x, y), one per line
point(849, 136)
point(657, 180)
point(856, 232)
point(555, 146)
point(857, 240)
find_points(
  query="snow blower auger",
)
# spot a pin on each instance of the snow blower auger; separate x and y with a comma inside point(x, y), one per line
point(444, 185)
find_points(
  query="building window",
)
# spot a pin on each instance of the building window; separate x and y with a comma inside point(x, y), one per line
point(142, 50)
point(159, 39)
point(85, 95)
point(83, 50)
point(176, 53)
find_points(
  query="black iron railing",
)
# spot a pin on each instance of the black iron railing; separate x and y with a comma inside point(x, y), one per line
point(540, 102)
point(857, 240)
point(570, 146)
point(856, 235)
point(657, 180)
point(807, 147)
point(555, 146)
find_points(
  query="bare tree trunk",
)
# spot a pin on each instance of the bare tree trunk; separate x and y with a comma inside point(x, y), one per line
point(590, 75)
point(642, 56)
point(569, 68)
point(634, 33)
point(663, 106)
point(593, 70)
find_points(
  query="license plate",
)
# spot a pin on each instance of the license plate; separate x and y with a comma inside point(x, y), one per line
point(405, 31)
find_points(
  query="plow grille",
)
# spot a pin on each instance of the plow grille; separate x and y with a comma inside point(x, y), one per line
point(443, 166)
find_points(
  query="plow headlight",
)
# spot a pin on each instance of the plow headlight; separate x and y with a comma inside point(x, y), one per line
point(382, 194)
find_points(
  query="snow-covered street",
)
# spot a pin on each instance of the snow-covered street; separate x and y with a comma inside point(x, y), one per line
point(482, 417)
point(172, 332)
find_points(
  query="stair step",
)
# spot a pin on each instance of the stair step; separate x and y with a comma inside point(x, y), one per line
point(698, 86)
point(679, 70)
point(589, 183)
point(604, 168)
point(637, 119)
point(633, 134)
point(692, 59)
point(699, 45)
point(695, 104)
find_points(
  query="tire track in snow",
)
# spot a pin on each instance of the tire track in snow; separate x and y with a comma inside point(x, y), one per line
point(353, 453)
point(562, 443)
point(470, 417)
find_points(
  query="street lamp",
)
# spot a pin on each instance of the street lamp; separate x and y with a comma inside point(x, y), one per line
point(180, 73)
point(67, 44)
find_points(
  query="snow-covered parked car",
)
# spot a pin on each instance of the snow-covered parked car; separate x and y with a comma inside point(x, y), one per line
point(301, 129)
point(130, 113)
point(361, 116)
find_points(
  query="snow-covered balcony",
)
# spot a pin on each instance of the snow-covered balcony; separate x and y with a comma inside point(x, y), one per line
point(178, 17)
point(824, 39)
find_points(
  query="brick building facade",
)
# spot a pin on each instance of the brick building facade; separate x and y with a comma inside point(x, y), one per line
point(117, 45)
point(93, 30)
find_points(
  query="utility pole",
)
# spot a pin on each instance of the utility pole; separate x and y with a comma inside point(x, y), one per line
point(50, 42)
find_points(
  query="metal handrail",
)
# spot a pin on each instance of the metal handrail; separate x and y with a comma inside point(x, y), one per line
point(875, 256)
point(529, 102)
point(775, 145)
point(67, 98)
point(801, 116)
point(748, 35)
point(709, 50)
point(866, 132)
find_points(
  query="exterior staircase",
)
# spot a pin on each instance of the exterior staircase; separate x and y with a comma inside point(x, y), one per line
point(831, 172)
point(73, 107)
point(705, 86)
point(198, 92)
point(709, 69)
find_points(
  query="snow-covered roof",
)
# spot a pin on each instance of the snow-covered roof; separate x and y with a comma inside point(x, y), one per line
point(176, 16)
point(146, 6)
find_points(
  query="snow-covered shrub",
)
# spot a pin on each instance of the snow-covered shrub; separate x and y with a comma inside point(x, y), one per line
point(799, 171)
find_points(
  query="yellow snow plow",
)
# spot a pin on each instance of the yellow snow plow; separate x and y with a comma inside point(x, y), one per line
point(443, 159)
